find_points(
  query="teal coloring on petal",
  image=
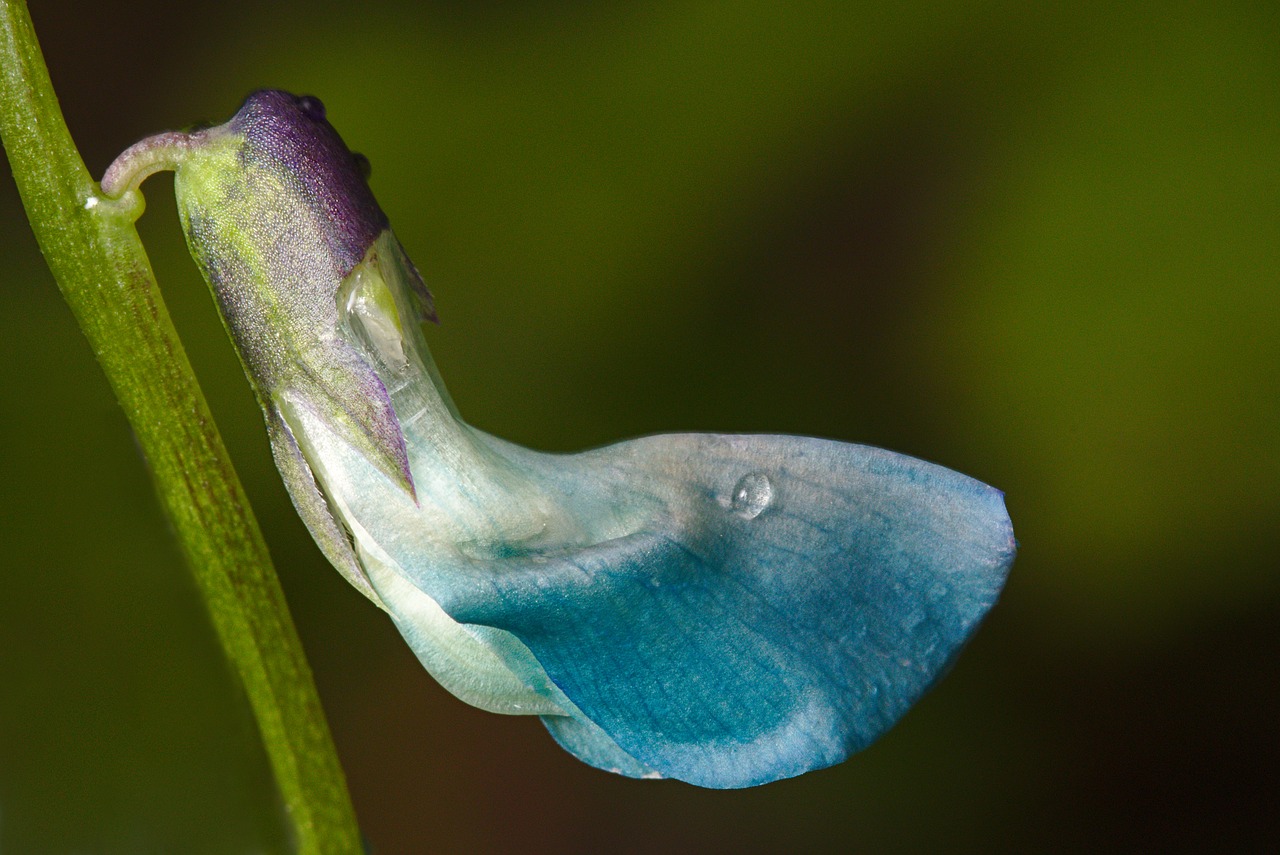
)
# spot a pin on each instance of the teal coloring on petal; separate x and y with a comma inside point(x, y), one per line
point(726, 610)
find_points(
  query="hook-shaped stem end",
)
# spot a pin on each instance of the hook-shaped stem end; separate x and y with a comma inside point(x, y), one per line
point(143, 159)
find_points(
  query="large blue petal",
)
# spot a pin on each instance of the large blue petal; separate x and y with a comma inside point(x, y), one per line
point(783, 603)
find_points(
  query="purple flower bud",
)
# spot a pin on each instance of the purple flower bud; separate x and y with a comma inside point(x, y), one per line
point(277, 213)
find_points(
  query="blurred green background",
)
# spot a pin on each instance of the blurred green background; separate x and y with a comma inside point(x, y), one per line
point(1036, 243)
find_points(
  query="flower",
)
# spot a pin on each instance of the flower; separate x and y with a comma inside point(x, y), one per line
point(727, 610)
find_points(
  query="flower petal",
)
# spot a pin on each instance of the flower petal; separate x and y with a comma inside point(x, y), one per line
point(726, 643)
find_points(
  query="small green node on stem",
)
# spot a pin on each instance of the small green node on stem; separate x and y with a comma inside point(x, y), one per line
point(127, 206)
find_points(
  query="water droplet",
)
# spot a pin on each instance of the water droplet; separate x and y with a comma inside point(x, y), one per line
point(312, 106)
point(362, 164)
point(751, 495)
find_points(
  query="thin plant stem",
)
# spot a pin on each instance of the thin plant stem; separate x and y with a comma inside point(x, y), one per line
point(99, 263)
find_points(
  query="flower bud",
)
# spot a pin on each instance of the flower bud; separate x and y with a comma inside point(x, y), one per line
point(277, 213)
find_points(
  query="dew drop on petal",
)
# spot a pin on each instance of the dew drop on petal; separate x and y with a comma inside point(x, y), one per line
point(751, 495)
point(312, 106)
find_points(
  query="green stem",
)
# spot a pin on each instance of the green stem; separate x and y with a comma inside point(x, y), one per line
point(104, 274)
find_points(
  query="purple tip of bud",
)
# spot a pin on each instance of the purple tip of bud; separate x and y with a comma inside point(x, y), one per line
point(291, 133)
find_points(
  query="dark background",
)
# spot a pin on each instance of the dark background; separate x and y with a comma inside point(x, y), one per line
point(1038, 245)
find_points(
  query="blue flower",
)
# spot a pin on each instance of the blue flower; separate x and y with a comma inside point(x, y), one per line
point(726, 610)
